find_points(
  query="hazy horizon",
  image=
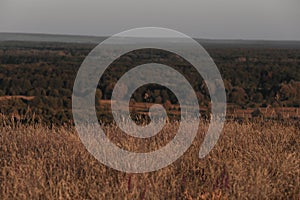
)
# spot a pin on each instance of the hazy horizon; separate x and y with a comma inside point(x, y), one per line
point(105, 36)
point(214, 19)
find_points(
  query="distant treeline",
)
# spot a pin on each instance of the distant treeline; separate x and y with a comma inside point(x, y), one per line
point(253, 77)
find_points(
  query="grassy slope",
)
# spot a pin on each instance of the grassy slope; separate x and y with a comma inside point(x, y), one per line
point(255, 160)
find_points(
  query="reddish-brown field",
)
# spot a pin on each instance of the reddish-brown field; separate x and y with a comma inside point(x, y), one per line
point(251, 160)
point(232, 111)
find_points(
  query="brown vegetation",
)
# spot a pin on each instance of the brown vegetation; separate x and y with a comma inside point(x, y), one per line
point(256, 157)
point(28, 98)
point(251, 160)
point(254, 77)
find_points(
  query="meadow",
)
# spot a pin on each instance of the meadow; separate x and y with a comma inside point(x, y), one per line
point(252, 160)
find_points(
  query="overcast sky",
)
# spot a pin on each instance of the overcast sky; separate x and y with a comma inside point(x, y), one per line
point(215, 19)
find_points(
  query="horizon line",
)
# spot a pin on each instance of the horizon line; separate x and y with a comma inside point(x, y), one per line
point(103, 36)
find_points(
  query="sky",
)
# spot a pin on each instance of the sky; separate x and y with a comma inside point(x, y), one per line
point(209, 19)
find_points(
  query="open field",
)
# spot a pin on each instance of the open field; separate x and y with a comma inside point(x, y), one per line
point(251, 160)
point(5, 98)
point(289, 113)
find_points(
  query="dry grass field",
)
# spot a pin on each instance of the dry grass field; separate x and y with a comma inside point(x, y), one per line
point(252, 160)
point(42, 157)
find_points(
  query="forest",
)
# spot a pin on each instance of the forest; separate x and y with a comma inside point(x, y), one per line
point(37, 78)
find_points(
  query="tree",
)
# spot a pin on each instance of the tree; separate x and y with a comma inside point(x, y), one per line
point(238, 96)
point(98, 96)
point(108, 90)
point(168, 104)
point(256, 113)
point(164, 95)
point(158, 99)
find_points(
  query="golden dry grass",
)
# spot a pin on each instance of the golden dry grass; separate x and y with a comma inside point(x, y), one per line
point(28, 98)
point(251, 160)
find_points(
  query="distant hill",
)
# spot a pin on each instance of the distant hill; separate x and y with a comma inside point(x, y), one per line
point(49, 38)
point(95, 40)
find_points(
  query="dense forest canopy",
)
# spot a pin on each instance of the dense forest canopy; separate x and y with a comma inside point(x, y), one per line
point(253, 77)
